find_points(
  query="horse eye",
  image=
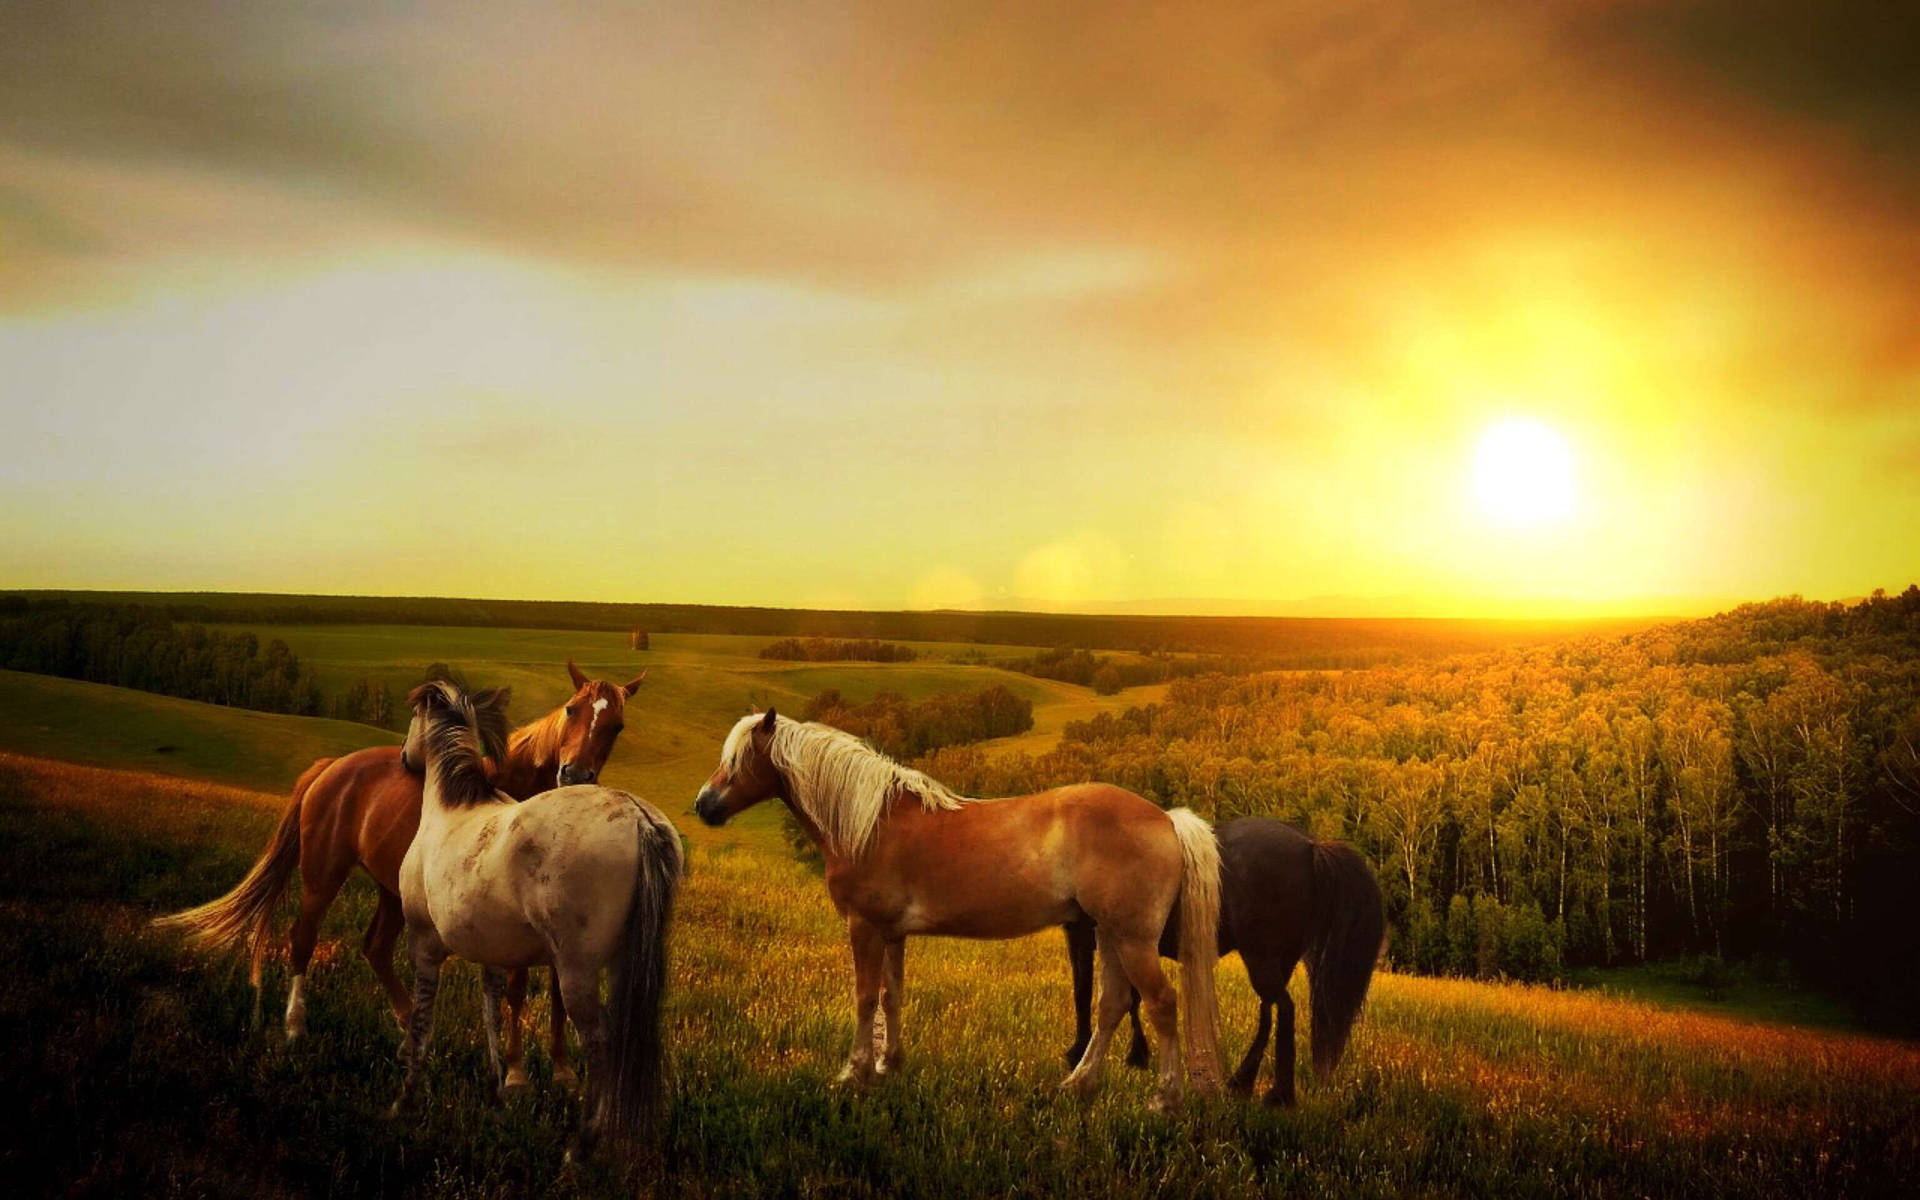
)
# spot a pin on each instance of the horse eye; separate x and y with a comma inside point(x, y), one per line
point(573, 710)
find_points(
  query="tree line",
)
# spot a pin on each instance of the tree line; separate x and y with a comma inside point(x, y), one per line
point(1746, 785)
point(1299, 642)
point(1109, 674)
point(904, 728)
point(132, 646)
point(819, 649)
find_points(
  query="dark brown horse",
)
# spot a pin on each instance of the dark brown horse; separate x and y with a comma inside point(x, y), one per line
point(362, 810)
point(1283, 897)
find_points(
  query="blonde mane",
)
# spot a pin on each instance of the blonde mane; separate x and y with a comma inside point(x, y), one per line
point(840, 782)
point(544, 738)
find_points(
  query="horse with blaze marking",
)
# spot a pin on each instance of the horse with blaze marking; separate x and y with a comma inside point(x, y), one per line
point(362, 810)
point(906, 856)
point(581, 877)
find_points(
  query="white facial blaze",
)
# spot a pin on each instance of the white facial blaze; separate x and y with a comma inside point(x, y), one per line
point(599, 706)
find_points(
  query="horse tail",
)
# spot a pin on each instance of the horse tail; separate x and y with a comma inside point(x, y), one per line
point(1199, 947)
point(245, 914)
point(1343, 942)
point(636, 1060)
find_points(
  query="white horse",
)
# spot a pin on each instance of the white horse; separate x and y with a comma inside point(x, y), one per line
point(580, 877)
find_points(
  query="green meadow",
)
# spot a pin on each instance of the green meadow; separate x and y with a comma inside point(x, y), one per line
point(133, 1070)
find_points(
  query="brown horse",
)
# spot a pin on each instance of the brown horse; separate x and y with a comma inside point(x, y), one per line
point(904, 855)
point(1283, 897)
point(362, 810)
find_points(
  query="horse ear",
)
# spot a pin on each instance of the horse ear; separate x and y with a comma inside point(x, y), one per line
point(493, 699)
point(633, 687)
point(766, 722)
point(579, 680)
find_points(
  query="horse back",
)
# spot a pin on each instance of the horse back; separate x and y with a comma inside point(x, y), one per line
point(1266, 888)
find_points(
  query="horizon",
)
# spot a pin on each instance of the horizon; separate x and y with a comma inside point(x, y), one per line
point(1153, 610)
point(1585, 311)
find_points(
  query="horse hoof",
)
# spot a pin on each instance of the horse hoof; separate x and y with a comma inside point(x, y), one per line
point(1163, 1105)
point(1277, 1099)
point(1242, 1088)
point(564, 1077)
point(1140, 1061)
point(854, 1079)
point(893, 1064)
point(1081, 1085)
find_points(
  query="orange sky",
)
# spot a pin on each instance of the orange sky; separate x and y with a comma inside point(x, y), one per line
point(1191, 307)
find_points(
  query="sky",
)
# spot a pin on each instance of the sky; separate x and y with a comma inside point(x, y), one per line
point(1197, 307)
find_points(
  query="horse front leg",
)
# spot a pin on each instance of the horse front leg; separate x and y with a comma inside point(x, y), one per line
point(428, 955)
point(869, 964)
point(892, 986)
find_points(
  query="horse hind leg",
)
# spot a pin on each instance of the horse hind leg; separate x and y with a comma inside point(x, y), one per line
point(557, 1052)
point(1140, 963)
point(892, 985)
point(1243, 1079)
point(377, 948)
point(1114, 992)
point(493, 988)
point(1139, 1053)
point(516, 997)
point(1080, 947)
point(317, 891)
point(1281, 1094)
point(581, 988)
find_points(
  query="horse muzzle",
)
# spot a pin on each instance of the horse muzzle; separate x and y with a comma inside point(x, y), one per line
point(570, 775)
point(710, 808)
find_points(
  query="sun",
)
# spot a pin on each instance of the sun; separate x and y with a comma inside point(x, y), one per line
point(1523, 473)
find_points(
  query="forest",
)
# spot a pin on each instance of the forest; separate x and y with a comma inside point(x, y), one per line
point(1745, 786)
point(906, 728)
point(1108, 674)
point(138, 647)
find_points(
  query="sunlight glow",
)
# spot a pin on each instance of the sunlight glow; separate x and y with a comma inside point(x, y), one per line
point(1523, 473)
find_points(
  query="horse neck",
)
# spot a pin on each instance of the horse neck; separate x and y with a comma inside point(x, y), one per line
point(533, 758)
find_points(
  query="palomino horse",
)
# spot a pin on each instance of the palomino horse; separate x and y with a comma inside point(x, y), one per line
point(1283, 897)
point(581, 877)
point(904, 855)
point(362, 810)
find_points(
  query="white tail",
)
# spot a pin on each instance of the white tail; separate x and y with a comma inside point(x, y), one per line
point(1199, 948)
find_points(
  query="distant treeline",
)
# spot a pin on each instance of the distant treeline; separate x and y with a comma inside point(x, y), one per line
point(1298, 642)
point(906, 728)
point(819, 649)
point(133, 646)
point(1107, 675)
point(143, 648)
point(1745, 786)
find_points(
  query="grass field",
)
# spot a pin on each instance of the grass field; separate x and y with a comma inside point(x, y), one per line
point(134, 1070)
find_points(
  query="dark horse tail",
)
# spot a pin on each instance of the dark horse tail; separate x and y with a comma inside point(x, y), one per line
point(636, 1060)
point(245, 914)
point(1342, 946)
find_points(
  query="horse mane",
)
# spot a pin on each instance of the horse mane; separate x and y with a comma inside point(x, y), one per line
point(460, 734)
point(538, 739)
point(837, 779)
